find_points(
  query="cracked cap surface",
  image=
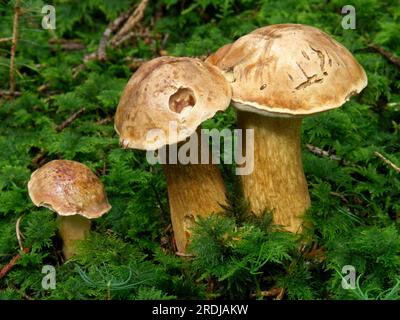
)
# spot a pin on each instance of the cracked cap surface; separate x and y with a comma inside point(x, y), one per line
point(166, 99)
point(68, 188)
point(289, 70)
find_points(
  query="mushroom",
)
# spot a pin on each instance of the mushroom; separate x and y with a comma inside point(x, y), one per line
point(280, 74)
point(73, 191)
point(172, 96)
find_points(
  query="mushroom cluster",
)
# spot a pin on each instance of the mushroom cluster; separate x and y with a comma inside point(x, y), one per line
point(274, 76)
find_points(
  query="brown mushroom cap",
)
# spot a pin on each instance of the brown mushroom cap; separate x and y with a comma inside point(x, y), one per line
point(185, 91)
point(289, 70)
point(68, 188)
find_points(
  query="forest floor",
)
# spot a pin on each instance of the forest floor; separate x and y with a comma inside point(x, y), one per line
point(59, 103)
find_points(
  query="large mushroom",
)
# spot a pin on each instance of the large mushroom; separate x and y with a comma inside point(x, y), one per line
point(74, 192)
point(173, 96)
point(280, 74)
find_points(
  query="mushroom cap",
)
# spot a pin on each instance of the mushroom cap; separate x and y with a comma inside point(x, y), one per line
point(166, 99)
point(289, 70)
point(68, 188)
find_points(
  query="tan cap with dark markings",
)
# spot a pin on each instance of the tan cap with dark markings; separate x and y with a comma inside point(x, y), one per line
point(68, 188)
point(289, 70)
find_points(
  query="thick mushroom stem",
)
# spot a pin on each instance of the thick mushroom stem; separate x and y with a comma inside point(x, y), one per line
point(193, 190)
point(72, 229)
point(277, 182)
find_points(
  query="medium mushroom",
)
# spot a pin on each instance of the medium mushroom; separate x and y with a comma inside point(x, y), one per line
point(173, 96)
point(73, 191)
point(280, 74)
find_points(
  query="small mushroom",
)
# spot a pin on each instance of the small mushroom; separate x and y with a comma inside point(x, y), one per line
point(74, 192)
point(174, 96)
point(280, 74)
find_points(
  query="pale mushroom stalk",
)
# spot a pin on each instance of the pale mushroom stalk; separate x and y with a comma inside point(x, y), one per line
point(280, 74)
point(75, 193)
point(281, 185)
point(72, 229)
point(193, 190)
point(163, 104)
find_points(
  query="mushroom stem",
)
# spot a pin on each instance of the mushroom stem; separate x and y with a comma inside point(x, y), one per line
point(72, 229)
point(277, 182)
point(193, 190)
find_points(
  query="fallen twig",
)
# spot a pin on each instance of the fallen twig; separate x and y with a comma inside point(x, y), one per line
point(388, 55)
point(26, 296)
point(70, 119)
point(39, 159)
point(86, 59)
point(5, 93)
point(167, 228)
point(89, 57)
point(100, 54)
point(14, 45)
point(274, 292)
point(269, 293)
point(130, 35)
point(5, 39)
point(128, 20)
point(13, 261)
point(112, 27)
point(316, 253)
point(105, 120)
point(181, 254)
point(337, 194)
point(281, 294)
point(387, 161)
point(320, 152)
point(43, 87)
point(68, 45)
point(131, 22)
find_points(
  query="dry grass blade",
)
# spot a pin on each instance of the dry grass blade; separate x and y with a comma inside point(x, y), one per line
point(14, 45)
point(387, 161)
point(19, 233)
